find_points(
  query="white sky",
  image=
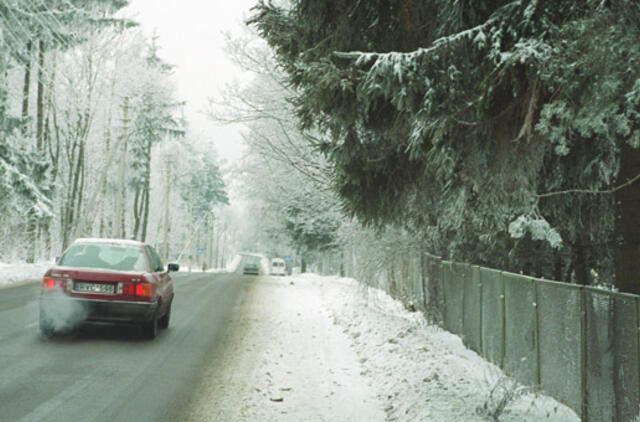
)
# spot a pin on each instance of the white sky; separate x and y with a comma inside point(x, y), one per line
point(190, 36)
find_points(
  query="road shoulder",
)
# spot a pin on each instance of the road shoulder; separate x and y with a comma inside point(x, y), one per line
point(286, 361)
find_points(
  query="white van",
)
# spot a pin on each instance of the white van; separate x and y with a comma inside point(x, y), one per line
point(278, 267)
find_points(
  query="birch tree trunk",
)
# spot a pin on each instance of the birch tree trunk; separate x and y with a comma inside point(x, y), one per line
point(118, 229)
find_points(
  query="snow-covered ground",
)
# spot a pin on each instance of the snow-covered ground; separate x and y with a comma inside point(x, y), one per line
point(330, 349)
point(18, 273)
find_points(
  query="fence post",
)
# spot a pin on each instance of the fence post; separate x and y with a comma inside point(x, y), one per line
point(536, 331)
point(583, 351)
point(464, 295)
point(423, 280)
point(444, 296)
point(480, 306)
point(638, 337)
point(504, 320)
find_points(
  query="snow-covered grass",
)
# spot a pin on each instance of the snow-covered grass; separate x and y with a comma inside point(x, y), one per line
point(19, 273)
point(421, 372)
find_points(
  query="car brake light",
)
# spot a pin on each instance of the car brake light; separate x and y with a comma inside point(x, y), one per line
point(135, 289)
point(129, 289)
point(50, 283)
point(143, 289)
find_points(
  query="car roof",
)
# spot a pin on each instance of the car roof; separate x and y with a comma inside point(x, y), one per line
point(97, 240)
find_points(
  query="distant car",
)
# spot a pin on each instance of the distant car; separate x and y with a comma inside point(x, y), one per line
point(107, 281)
point(251, 269)
point(278, 267)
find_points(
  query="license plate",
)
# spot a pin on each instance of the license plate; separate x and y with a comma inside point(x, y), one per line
point(97, 288)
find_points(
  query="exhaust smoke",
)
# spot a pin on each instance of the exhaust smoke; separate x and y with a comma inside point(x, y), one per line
point(60, 314)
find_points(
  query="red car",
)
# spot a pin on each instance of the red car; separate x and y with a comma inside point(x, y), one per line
point(107, 280)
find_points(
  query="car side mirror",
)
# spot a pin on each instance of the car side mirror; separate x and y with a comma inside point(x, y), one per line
point(57, 259)
point(173, 267)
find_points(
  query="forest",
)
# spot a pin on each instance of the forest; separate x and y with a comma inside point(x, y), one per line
point(499, 133)
point(90, 134)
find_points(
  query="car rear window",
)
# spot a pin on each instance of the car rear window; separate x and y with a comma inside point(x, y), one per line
point(110, 257)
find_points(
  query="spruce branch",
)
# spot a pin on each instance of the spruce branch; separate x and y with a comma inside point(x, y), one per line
point(590, 191)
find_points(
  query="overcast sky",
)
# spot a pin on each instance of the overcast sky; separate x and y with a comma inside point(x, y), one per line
point(190, 36)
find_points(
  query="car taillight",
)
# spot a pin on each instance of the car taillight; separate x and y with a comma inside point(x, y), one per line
point(135, 289)
point(143, 290)
point(48, 283)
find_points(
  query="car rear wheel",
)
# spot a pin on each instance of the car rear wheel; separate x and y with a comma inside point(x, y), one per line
point(150, 329)
point(164, 321)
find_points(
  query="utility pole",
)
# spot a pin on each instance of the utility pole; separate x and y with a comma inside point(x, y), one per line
point(167, 196)
point(117, 219)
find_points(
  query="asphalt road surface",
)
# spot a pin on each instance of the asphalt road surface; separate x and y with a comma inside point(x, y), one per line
point(107, 373)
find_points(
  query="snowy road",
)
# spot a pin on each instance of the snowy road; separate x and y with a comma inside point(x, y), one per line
point(108, 374)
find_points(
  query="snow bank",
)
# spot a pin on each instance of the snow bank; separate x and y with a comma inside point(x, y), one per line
point(18, 273)
point(421, 372)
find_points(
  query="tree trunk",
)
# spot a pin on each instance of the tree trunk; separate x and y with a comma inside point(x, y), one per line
point(136, 212)
point(145, 192)
point(71, 204)
point(26, 88)
point(190, 227)
point(52, 150)
point(145, 214)
point(118, 223)
point(80, 190)
point(40, 99)
point(626, 226)
point(217, 232)
point(167, 196)
point(210, 233)
point(103, 181)
point(580, 263)
point(31, 218)
point(557, 265)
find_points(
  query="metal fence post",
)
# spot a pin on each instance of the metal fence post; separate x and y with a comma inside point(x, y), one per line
point(444, 296)
point(536, 331)
point(504, 321)
point(464, 295)
point(423, 282)
point(480, 306)
point(583, 351)
point(638, 337)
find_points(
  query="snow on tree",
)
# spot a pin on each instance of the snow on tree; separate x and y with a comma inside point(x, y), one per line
point(80, 98)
